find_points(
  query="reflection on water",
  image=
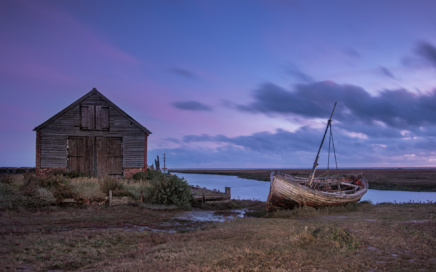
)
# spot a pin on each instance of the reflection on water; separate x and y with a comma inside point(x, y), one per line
point(240, 188)
point(379, 196)
point(215, 216)
point(258, 190)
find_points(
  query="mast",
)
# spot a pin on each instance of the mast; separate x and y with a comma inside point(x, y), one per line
point(315, 164)
point(164, 168)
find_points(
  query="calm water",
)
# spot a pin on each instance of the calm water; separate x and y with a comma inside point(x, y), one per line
point(258, 190)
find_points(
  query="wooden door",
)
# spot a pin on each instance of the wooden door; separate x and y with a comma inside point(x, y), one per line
point(81, 155)
point(109, 156)
point(95, 156)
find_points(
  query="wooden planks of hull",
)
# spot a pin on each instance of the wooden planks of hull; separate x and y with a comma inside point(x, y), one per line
point(288, 191)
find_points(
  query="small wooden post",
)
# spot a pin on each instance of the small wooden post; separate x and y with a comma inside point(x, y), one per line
point(227, 190)
point(141, 199)
point(110, 197)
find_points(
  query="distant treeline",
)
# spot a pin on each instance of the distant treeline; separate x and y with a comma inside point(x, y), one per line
point(16, 170)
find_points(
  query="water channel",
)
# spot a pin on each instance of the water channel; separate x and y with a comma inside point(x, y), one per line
point(258, 190)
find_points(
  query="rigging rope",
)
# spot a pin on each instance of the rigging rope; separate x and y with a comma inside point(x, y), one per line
point(331, 146)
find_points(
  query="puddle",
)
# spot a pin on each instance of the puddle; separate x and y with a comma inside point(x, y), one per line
point(416, 221)
point(197, 220)
point(146, 228)
point(211, 216)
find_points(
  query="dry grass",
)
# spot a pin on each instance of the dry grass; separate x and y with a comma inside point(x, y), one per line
point(88, 188)
point(25, 191)
point(394, 237)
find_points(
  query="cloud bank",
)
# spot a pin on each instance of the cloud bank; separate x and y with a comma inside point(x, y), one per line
point(191, 106)
point(394, 108)
point(427, 51)
point(395, 127)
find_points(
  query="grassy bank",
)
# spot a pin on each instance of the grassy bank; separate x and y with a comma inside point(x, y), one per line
point(37, 233)
point(24, 191)
point(419, 180)
point(360, 237)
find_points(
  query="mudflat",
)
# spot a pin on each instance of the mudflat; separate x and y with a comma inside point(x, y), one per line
point(358, 237)
point(401, 179)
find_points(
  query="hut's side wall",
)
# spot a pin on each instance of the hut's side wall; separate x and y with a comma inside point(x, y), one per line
point(52, 139)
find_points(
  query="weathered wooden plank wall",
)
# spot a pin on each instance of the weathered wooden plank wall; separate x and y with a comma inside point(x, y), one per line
point(55, 135)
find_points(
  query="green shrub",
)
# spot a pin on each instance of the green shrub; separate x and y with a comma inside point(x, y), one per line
point(154, 174)
point(59, 186)
point(170, 191)
point(140, 176)
point(74, 174)
point(6, 179)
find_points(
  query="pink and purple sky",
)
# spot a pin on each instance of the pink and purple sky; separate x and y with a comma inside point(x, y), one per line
point(230, 84)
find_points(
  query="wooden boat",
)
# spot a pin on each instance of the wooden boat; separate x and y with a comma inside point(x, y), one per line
point(287, 191)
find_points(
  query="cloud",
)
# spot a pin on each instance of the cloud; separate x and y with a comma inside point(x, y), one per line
point(298, 74)
point(394, 108)
point(352, 53)
point(393, 128)
point(183, 72)
point(281, 141)
point(427, 51)
point(191, 105)
point(384, 71)
point(298, 149)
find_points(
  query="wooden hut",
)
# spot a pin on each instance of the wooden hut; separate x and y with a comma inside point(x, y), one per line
point(94, 137)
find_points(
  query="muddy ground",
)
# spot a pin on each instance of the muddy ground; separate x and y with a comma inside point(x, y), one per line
point(358, 237)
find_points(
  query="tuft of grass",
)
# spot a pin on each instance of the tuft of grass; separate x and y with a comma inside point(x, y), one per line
point(135, 188)
point(8, 179)
point(88, 188)
point(316, 211)
point(108, 183)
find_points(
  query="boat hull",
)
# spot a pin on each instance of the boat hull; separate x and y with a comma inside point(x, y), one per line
point(289, 191)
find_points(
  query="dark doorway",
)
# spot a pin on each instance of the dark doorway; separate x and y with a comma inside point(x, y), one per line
point(95, 156)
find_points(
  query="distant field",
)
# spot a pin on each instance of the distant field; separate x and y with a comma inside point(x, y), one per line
point(418, 180)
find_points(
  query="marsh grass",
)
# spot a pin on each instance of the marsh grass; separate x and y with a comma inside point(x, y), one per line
point(72, 250)
point(135, 188)
point(307, 211)
point(112, 184)
point(88, 188)
point(361, 239)
point(27, 190)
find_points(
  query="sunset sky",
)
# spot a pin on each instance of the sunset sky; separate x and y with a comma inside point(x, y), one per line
point(229, 83)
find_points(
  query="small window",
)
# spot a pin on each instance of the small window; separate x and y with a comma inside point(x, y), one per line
point(87, 117)
point(101, 118)
point(94, 117)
